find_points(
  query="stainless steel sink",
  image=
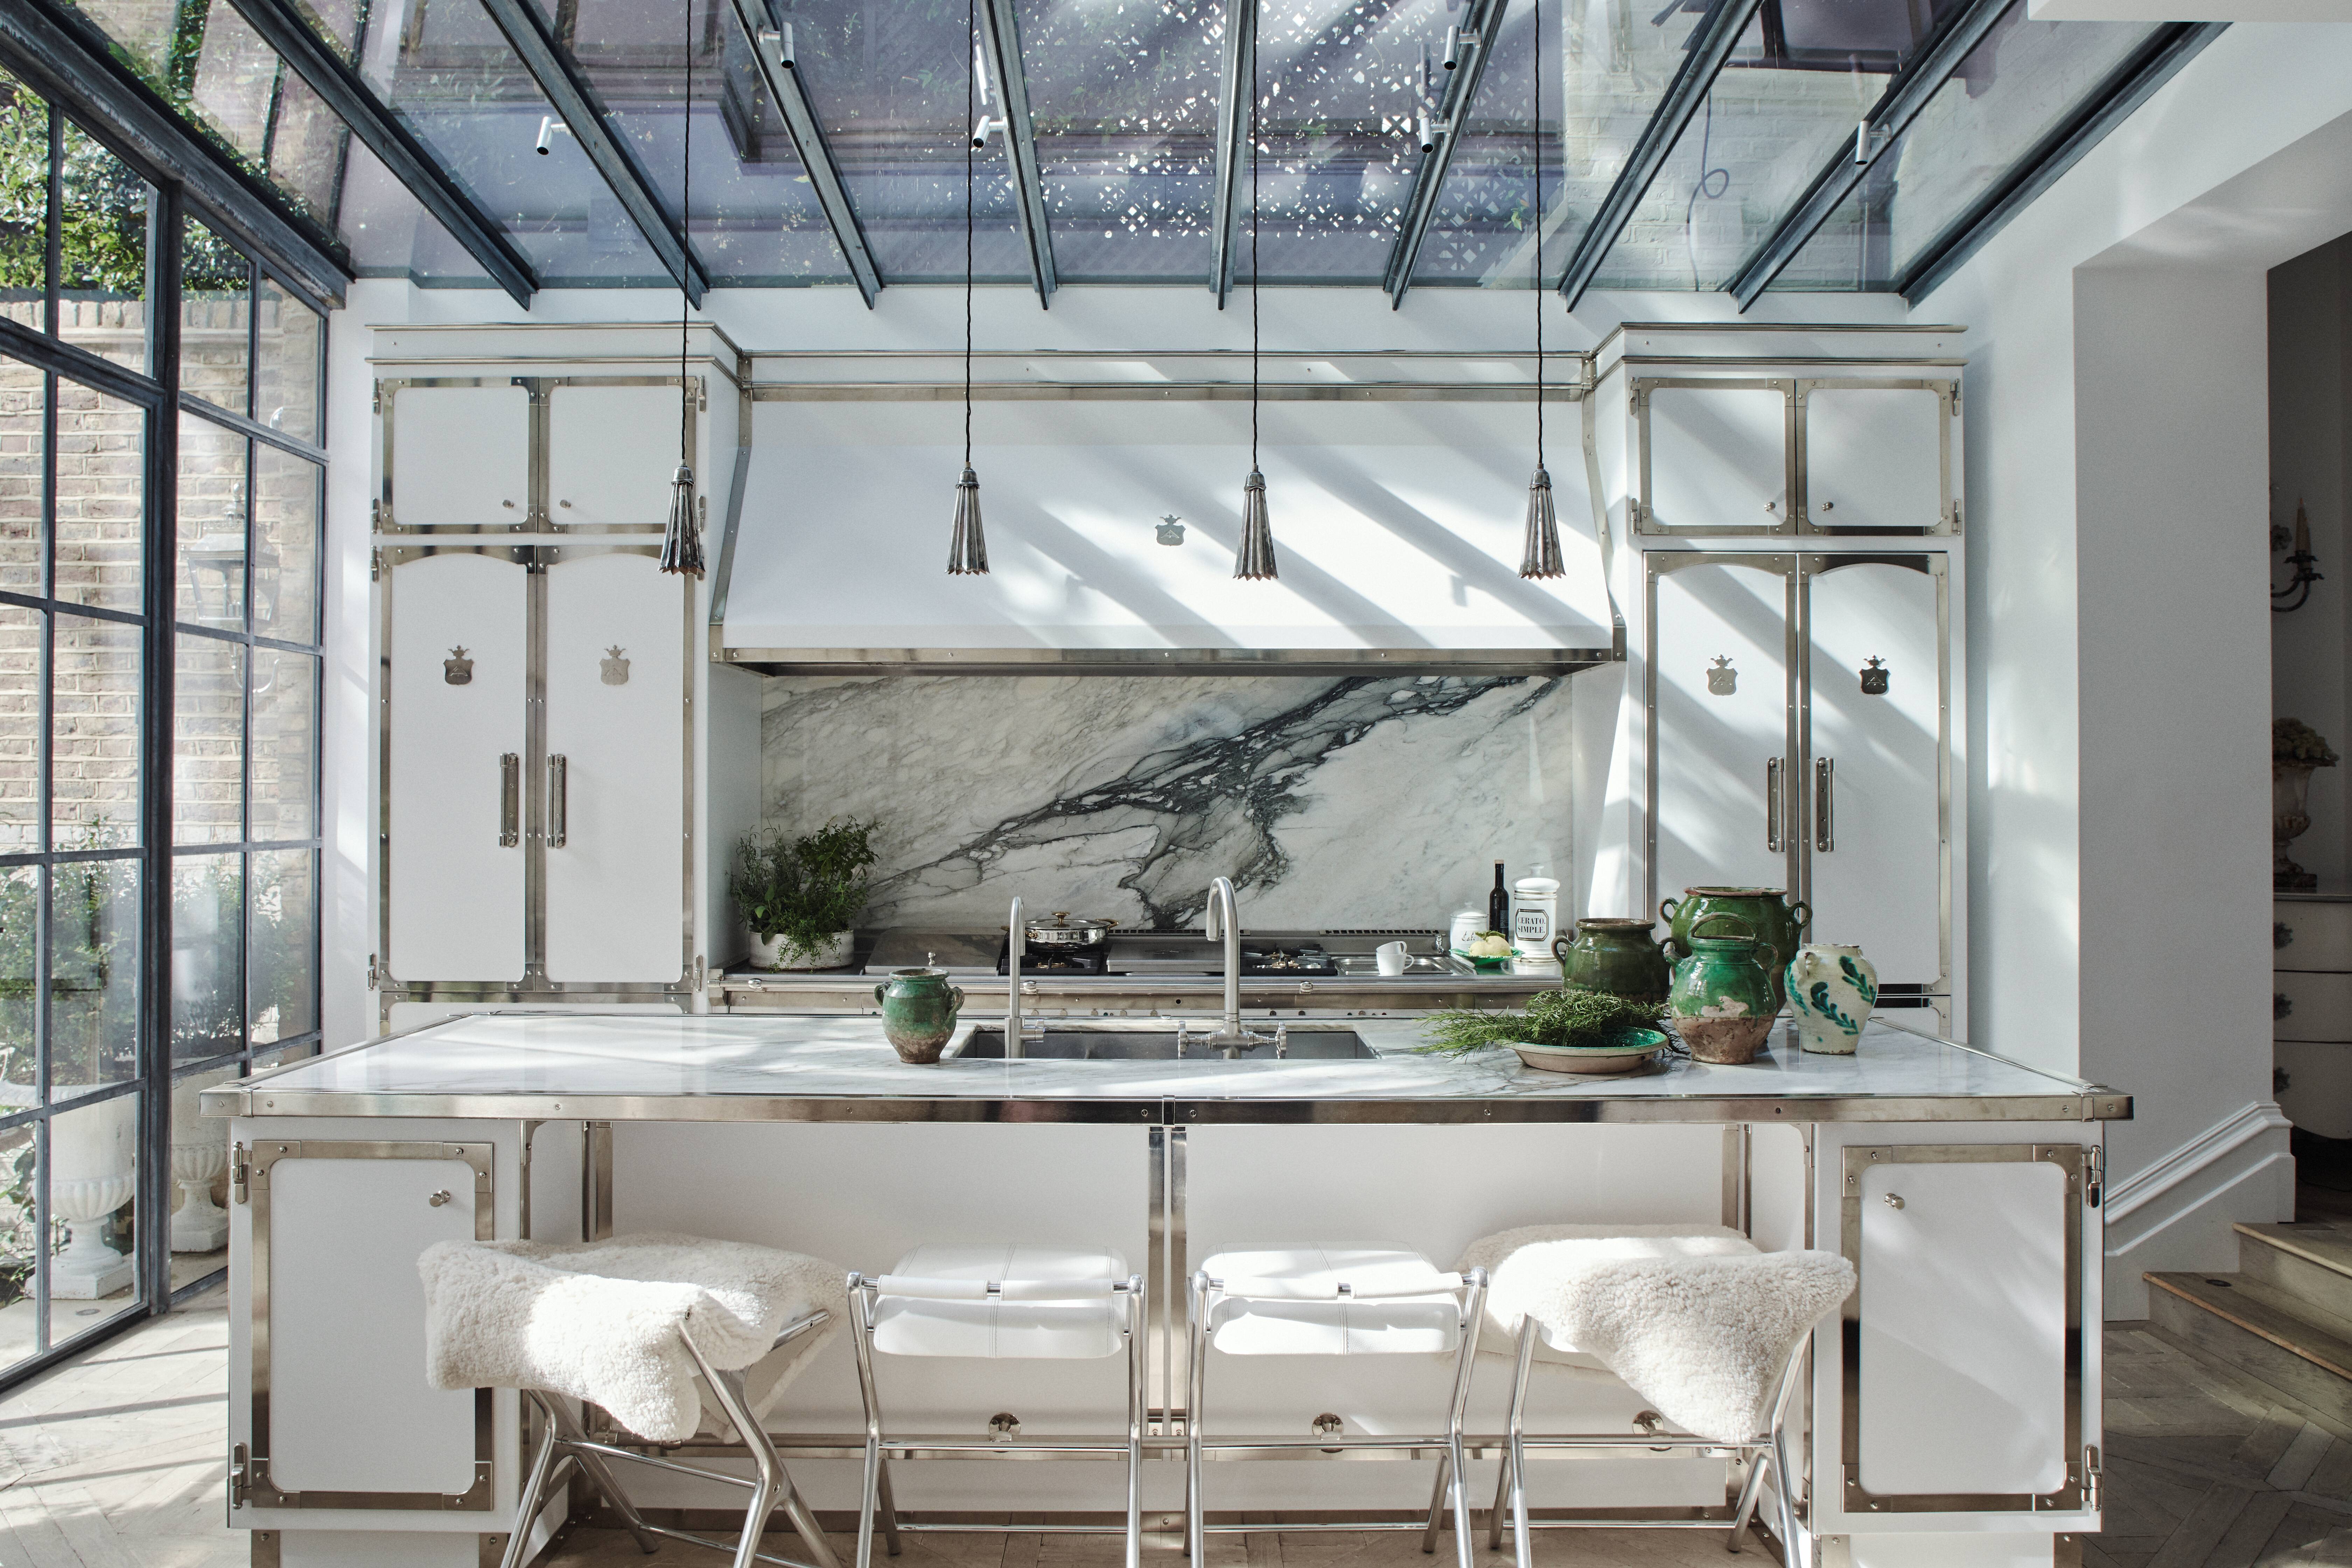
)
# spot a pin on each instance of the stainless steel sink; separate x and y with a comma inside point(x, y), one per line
point(1156, 1042)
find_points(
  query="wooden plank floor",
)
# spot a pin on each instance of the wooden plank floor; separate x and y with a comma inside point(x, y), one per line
point(116, 1461)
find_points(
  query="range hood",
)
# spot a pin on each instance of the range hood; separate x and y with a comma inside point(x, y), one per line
point(1111, 527)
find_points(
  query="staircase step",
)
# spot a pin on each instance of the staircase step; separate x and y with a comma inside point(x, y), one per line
point(2312, 1260)
point(2272, 1336)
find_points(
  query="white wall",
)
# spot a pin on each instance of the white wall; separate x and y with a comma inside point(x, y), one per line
point(2117, 448)
point(2311, 463)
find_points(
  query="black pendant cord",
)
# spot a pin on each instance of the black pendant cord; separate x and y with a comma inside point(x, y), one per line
point(1536, 217)
point(685, 238)
point(1257, 281)
point(971, 117)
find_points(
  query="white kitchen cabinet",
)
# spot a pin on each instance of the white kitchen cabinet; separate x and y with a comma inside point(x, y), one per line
point(1798, 716)
point(456, 454)
point(1877, 456)
point(2311, 1010)
point(1717, 456)
point(537, 793)
point(1720, 690)
point(617, 650)
point(611, 452)
point(454, 699)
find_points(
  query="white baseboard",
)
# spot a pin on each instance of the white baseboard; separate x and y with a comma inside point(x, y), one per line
point(2175, 1214)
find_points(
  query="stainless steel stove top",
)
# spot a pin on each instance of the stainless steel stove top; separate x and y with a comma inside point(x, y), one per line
point(1306, 953)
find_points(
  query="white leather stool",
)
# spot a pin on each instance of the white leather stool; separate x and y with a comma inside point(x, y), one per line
point(1692, 1318)
point(1284, 1298)
point(998, 1302)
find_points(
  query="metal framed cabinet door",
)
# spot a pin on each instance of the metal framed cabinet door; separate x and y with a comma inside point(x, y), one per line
point(454, 739)
point(1877, 456)
point(456, 454)
point(611, 452)
point(618, 773)
point(342, 1416)
point(1717, 456)
point(1723, 797)
point(1963, 1391)
point(1877, 682)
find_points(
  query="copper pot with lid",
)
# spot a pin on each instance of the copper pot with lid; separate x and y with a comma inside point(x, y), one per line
point(1060, 931)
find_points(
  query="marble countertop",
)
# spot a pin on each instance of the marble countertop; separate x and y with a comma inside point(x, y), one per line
point(738, 1067)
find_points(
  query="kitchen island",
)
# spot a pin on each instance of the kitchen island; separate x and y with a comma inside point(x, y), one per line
point(1955, 1409)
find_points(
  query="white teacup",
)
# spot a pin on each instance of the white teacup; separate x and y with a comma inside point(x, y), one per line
point(1390, 957)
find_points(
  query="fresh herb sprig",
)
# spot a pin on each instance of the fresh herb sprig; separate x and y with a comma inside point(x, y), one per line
point(1572, 1016)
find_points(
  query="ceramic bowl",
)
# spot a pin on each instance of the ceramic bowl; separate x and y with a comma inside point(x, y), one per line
point(1488, 965)
point(1630, 1052)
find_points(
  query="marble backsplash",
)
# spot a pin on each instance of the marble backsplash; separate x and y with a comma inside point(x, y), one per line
point(1353, 802)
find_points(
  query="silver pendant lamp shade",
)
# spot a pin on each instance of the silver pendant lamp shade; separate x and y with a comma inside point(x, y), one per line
point(681, 550)
point(1539, 556)
point(968, 546)
point(1254, 561)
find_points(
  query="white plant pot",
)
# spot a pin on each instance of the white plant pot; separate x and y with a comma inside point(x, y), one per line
point(198, 1225)
point(86, 1269)
point(778, 953)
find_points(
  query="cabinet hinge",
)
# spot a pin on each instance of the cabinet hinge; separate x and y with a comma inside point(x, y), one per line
point(701, 394)
point(2094, 1174)
point(240, 1476)
point(701, 977)
point(375, 565)
point(371, 972)
point(1956, 516)
point(376, 400)
point(2092, 1478)
point(240, 1167)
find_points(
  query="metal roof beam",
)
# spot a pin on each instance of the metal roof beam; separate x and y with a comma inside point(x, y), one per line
point(1719, 33)
point(61, 62)
point(1905, 96)
point(2149, 69)
point(1000, 33)
point(1233, 131)
point(1481, 23)
point(342, 88)
point(574, 101)
point(780, 69)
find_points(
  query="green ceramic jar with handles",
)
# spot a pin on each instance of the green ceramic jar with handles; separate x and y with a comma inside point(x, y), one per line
point(1776, 919)
point(919, 1012)
point(1722, 1002)
point(1620, 957)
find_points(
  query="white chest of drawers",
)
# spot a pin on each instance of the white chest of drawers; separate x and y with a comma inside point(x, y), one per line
point(2311, 1010)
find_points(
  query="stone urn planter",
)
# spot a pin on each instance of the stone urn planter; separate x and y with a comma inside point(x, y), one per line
point(782, 952)
point(2290, 819)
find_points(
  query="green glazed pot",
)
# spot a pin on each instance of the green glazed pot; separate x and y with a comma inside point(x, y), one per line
point(1722, 1001)
point(919, 1012)
point(1620, 957)
point(1776, 921)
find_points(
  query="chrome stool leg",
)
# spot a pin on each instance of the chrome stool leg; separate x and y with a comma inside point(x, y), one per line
point(1474, 1316)
point(534, 1498)
point(560, 1419)
point(890, 1511)
point(1436, 1503)
point(861, 1329)
point(1515, 1462)
point(1495, 1515)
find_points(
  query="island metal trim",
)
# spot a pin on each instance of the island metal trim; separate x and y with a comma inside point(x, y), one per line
point(249, 1475)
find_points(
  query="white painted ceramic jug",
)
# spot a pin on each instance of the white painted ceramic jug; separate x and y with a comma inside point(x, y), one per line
point(1831, 990)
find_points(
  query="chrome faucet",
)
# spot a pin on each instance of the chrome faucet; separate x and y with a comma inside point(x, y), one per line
point(1222, 920)
point(1017, 1034)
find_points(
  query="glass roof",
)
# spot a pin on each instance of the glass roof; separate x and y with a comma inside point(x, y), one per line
point(1125, 101)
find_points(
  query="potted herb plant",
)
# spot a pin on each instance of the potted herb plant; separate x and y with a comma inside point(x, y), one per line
point(802, 897)
point(2295, 749)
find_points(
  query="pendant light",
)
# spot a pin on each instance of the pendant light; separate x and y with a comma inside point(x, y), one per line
point(1254, 561)
point(1540, 554)
point(681, 550)
point(968, 545)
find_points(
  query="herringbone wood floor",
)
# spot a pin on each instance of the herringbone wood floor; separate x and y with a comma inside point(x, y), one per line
point(117, 1462)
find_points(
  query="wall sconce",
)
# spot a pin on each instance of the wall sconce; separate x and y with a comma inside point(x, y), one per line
point(2301, 558)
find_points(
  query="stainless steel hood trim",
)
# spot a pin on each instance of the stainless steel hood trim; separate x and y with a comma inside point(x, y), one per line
point(1159, 391)
point(1169, 661)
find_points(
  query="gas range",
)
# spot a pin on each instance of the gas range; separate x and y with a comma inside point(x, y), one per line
point(1305, 954)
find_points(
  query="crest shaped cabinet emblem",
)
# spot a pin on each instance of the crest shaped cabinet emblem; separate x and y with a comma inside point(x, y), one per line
point(457, 669)
point(1722, 681)
point(613, 670)
point(1873, 677)
point(1171, 530)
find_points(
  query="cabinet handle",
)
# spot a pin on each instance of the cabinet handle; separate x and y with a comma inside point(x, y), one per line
point(1825, 803)
point(1772, 803)
point(510, 801)
point(558, 798)
point(1894, 1200)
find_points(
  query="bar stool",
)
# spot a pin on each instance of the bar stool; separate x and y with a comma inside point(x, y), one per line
point(1285, 1299)
point(998, 1302)
point(1705, 1328)
point(645, 1326)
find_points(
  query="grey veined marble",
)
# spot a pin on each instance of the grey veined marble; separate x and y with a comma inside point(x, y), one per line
point(1366, 801)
